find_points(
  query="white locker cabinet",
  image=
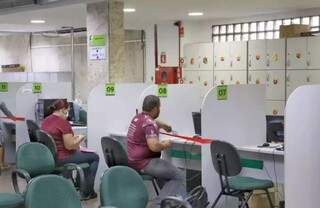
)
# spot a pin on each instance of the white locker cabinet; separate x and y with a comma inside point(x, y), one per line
point(257, 77)
point(313, 76)
point(313, 52)
point(206, 78)
point(221, 78)
point(257, 55)
point(205, 56)
point(238, 55)
point(297, 53)
point(190, 77)
point(276, 86)
point(275, 108)
point(296, 78)
point(276, 52)
point(221, 56)
point(238, 77)
point(191, 56)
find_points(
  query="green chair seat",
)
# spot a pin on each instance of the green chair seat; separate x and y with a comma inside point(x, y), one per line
point(8, 200)
point(247, 183)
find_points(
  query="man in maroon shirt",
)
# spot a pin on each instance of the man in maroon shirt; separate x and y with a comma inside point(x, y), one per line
point(144, 149)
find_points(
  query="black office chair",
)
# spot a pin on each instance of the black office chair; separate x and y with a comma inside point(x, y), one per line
point(226, 162)
point(115, 155)
point(32, 128)
point(48, 141)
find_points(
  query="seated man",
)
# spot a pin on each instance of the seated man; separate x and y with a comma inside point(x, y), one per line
point(144, 149)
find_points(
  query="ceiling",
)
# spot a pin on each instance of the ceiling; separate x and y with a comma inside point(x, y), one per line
point(150, 12)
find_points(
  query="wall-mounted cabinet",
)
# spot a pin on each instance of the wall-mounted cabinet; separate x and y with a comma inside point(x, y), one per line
point(204, 78)
point(275, 107)
point(276, 85)
point(230, 77)
point(198, 56)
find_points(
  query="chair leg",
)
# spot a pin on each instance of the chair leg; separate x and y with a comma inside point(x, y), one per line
point(155, 186)
point(217, 199)
point(246, 199)
point(269, 198)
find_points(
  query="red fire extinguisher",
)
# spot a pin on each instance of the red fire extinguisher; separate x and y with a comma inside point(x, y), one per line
point(163, 58)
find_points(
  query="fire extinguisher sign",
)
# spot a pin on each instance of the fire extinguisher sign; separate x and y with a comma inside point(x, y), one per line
point(163, 58)
point(162, 90)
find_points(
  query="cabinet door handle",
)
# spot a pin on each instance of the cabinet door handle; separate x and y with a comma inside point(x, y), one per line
point(215, 64)
point(250, 77)
point(268, 62)
point(231, 77)
point(308, 63)
point(268, 77)
point(250, 63)
point(308, 79)
point(199, 78)
point(215, 78)
point(288, 62)
point(288, 78)
point(231, 64)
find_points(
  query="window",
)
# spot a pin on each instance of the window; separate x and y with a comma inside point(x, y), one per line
point(259, 30)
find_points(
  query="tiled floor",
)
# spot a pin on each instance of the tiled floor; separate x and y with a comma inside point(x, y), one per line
point(6, 186)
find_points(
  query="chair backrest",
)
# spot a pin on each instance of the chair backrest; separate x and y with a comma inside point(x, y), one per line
point(7, 130)
point(46, 139)
point(123, 187)
point(114, 152)
point(32, 128)
point(51, 191)
point(35, 158)
point(225, 158)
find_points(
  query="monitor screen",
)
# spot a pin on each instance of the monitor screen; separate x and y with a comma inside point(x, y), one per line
point(275, 128)
point(196, 116)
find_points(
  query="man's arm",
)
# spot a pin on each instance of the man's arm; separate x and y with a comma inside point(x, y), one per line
point(164, 126)
point(156, 146)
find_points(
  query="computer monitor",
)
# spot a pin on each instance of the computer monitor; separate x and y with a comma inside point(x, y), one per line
point(71, 116)
point(275, 128)
point(196, 116)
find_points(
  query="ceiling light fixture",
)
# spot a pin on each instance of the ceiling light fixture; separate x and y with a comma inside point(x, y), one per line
point(195, 14)
point(37, 21)
point(129, 10)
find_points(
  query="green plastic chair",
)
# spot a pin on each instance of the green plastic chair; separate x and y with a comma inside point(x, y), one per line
point(9, 200)
point(34, 159)
point(226, 162)
point(51, 191)
point(122, 187)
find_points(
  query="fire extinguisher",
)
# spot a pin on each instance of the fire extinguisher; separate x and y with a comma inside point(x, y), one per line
point(163, 58)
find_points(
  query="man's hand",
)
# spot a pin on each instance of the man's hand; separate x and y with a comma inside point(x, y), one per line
point(164, 126)
point(167, 143)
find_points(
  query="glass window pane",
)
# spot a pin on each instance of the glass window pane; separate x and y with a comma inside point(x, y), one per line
point(314, 29)
point(237, 37)
point(276, 35)
point(222, 29)
point(277, 24)
point(245, 37)
point(216, 39)
point(237, 28)
point(287, 22)
point(306, 20)
point(269, 35)
point(216, 30)
point(261, 36)
point(253, 36)
point(230, 38)
point(245, 27)
point(296, 21)
point(261, 26)
point(253, 27)
point(222, 38)
point(230, 28)
point(269, 25)
point(315, 21)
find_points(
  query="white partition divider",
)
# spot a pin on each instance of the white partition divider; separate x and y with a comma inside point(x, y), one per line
point(110, 115)
point(240, 120)
point(176, 109)
point(302, 155)
point(9, 98)
point(26, 101)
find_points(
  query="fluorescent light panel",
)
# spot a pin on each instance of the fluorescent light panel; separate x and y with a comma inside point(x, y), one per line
point(37, 21)
point(129, 9)
point(195, 14)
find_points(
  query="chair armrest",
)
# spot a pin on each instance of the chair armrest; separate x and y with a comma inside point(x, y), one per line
point(22, 174)
point(76, 167)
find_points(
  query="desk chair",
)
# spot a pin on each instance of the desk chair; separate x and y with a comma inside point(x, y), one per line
point(226, 162)
point(49, 142)
point(32, 128)
point(51, 191)
point(115, 154)
point(122, 187)
point(9, 138)
point(8, 200)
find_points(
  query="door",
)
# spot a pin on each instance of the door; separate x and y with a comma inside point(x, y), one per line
point(276, 52)
point(238, 55)
point(238, 77)
point(221, 78)
point(206, 78)
point(257, 77)
point(275, 108)
point(205, 56)
point(221, 56)
point(296, 78)
point(190, 77)
point(313, 53)
point(296, 53)
point(191, 56)
point(257, 55)
point(275, 85)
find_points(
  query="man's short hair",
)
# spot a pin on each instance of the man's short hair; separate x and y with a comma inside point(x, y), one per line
point(150, 102)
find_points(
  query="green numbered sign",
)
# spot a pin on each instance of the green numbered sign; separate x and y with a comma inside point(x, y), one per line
point(222, 92)
point(4, 87)
point(110, 89)
point(37, 87)
point(162, 90)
